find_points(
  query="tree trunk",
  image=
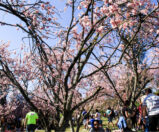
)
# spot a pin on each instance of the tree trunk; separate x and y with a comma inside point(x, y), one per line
point(72, 126)
point(64, 122)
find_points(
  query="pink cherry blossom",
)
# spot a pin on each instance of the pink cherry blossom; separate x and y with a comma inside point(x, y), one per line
point(144, 11)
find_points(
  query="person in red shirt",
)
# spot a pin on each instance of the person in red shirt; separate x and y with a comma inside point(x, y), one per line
point(140, 122)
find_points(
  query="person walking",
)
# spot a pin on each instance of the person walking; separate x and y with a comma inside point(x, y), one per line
point(91, 120)
point(151, 110)
point(85, 118)
point(140, 124)
point(109, 113)
point(30, 121)
point(98, 117)
point(121, 122)
point(128, 114)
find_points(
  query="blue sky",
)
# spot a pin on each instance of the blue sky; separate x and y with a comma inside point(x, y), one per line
point(15, 36)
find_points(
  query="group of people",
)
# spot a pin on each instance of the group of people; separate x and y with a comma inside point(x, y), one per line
point(144, 117)
point(28, 124)
point(92, 122)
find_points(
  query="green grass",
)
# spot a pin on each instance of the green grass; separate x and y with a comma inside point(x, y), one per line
point(105, 124)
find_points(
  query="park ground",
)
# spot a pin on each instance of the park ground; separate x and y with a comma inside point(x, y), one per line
point(105, 124)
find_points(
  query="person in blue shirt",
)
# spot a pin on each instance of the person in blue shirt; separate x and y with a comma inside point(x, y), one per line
point(91, 121)
point(85, 117)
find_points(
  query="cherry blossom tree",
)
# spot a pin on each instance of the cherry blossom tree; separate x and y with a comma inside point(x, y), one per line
point(9, 103)
point(64, 62)
point(137, 30)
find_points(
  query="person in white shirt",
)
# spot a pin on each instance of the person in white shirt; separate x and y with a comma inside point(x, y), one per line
point(98, 117)
point(151, 109)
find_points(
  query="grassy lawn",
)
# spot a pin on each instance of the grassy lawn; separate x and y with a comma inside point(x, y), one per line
point(105, 124)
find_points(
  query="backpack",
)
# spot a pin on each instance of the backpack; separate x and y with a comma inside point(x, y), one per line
point(85, 115)
point(113, 113)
